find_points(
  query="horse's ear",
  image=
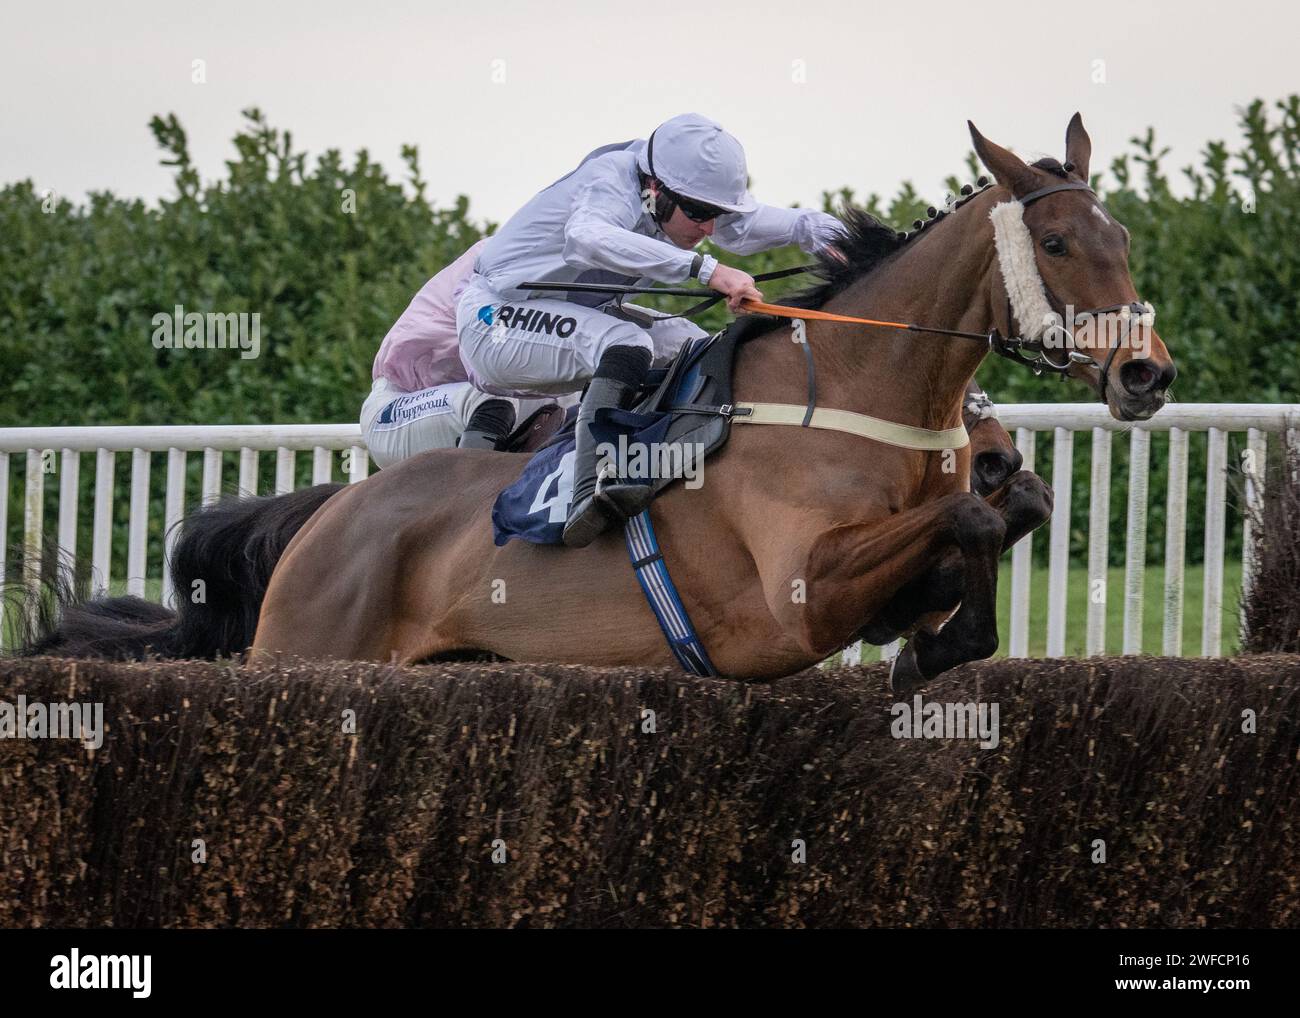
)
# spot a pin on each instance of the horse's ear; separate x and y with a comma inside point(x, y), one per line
point(1078, 146)
point(1008, 169)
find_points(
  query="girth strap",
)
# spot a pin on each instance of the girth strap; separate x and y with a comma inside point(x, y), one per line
point(902, 435)
point(661, 594)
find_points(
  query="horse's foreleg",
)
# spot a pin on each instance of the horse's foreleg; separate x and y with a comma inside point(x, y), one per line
point(852, 571)
point(1024, 502)
point(979, 531)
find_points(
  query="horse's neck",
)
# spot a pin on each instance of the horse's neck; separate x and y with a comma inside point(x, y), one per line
point(946, 279)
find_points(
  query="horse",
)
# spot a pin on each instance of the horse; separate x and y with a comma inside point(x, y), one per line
point(233, 544)
point(993, 456)
point(778, 568)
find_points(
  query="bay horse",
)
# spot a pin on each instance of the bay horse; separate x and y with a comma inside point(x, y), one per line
point(993, 455)
point(799, 541)
point(234, 544)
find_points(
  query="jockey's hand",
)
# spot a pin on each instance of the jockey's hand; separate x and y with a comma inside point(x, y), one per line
point(736, 285)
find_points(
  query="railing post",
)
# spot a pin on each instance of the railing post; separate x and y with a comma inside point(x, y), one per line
point(1058, 567)
point(101, 547)
point(1254, 467)
point(174, 510)
point(1175, 543)
point(4, 535)
point(1216, 497)
point(247, 473)
point(137, 528)
point(33, 527)
point(358, 464)
point(322, 466)
point(284, 477)
point(1135, 547)
point(211, 476)
point(1098, 543)
point(1022, 558)
point(69, 485)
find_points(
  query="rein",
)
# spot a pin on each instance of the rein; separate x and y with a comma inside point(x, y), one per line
point(1027, 352)
point(1013, 348)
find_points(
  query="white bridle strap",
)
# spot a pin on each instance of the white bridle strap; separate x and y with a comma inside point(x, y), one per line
point(901, 435)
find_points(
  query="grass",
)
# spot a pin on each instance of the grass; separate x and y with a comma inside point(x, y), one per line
point(1153, 613)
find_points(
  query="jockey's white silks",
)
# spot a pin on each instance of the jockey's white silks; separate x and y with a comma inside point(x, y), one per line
point(1024, 285)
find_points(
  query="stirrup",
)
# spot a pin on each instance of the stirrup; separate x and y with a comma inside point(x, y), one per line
point(625, 500)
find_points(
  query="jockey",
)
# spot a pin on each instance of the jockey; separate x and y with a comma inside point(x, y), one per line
point(421, 398)
point(630, 213)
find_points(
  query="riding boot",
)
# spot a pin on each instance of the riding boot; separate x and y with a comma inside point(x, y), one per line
point(488, 425)
point(597, 501)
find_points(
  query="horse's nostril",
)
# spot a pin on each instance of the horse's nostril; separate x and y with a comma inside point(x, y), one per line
point(1142, 377)
point(1138, 377)
point(992, 469)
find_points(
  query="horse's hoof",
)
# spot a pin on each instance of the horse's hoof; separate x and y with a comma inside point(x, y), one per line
point(904, 673)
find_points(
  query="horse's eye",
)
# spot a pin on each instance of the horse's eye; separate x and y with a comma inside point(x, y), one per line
point(1054, 244)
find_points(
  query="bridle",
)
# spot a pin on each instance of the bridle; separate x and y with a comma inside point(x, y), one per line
point(1015, 348)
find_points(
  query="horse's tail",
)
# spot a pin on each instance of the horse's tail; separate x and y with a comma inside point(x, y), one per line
point(220, 569)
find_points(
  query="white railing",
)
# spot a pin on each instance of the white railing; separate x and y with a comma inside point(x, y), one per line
point(58, 450)
point(51, 450)
point(1218, 420)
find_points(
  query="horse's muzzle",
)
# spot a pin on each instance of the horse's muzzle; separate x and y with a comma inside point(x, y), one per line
point(991, 468)
point(1143, 388)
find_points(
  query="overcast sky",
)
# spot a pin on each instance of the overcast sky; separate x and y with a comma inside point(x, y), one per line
point(822, 93)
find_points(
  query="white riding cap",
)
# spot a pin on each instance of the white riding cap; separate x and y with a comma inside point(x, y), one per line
point(695, 157)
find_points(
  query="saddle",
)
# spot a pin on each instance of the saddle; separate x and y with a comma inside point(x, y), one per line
point(682, 415)
point(695, 391)
point(694, 388)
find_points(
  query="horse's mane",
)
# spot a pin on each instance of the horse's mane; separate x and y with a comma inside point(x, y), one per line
point(867, 245)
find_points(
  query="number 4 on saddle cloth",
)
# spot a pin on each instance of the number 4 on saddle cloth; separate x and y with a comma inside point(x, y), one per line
point(685, 417)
